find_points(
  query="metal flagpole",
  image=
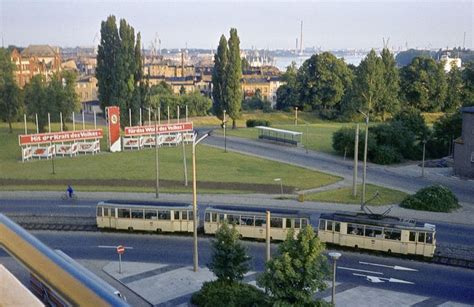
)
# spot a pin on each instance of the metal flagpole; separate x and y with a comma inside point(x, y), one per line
point(26, 128)
point(168, 114)
point(95, 121)
point(130, 116)
point(49, 123)
point(83, 121)
point(186, 113)
point(140, 116)
point(149, 116)
point(37, 128)
point(178, 113)
point(356, 162)
point(157, 190)
point(73, 122)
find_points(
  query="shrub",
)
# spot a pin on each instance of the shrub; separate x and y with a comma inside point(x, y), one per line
point(386, 154)
point(435, 198)
point(220, 293)
point(397, 136)
point(257, 122)
point(343, 141)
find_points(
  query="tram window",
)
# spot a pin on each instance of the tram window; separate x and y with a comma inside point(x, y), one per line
point(371, 231)
point(421, 237)
point(137, 214)
point(288, 223)
point(176, 215)
point(337, 227)
point(259, 221)
point(99, 211)
point(150, 214)
point(190, 215)
point(164, 215)
point(304, 223)
point(247, 220)
point(329, 225)
point(124, 213)
point(322, 224)
point(429, 238)
point(214, 217)
point(392, 234)
point(276, 222)
point(354, 229)
point(297, 223)
point(233, 219)
point(412, 236)
point(184, 215)
point(208, 217)
point(221, 217)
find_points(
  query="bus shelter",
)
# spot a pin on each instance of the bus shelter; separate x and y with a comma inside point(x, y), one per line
point(280, 135)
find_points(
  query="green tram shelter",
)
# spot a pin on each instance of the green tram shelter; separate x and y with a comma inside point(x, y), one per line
point(280, 136)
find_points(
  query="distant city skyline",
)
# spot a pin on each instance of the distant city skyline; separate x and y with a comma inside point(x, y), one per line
point(261, 24)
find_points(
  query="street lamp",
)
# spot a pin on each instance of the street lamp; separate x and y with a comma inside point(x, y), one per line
point(334, 256)
point(365, 156)
point(157, 163)
point(281, 185)
point(195, 214)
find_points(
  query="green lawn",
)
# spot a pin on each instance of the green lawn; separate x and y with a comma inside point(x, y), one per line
point(213, 166)
point(316, 136)
point(344, 195)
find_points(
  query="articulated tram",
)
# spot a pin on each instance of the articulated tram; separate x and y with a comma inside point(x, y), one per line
point(251, 222)
point(359, 230)
point(145, 216)
point(378, 232)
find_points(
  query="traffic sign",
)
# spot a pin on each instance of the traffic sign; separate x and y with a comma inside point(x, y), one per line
point(120, 249)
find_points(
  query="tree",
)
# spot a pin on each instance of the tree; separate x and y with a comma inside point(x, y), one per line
point(468, 84)
point(287, 94)
point(198, 105)
point(233, 90)
point(229, 258)
point(423, 85)
point(391, 78)
point(298, 271)
point(245, 64)
point(36, 101)
point(412, 119)
point(10, 101)
point(219, 78)
point(322, 81)
point(369, 85)
point(454, 91)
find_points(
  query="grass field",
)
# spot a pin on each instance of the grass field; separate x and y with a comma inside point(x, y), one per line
point(217, 171)
point(344, 195)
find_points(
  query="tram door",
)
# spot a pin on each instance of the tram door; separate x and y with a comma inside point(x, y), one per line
point(109, 214)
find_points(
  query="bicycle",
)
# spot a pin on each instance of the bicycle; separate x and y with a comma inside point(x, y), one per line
point(65, 196)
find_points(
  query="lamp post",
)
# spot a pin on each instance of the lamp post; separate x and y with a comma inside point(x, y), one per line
point(296, 116)
point(334, 256)
point(423, 163)
point(225, 137)
point(362, 201)
point(157, 165)
point(281, 185)
point(195, 214)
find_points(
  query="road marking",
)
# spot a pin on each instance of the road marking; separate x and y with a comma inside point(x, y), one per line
point(110, 246)
point(376, 279)
point(357, 270)
point(395, 267)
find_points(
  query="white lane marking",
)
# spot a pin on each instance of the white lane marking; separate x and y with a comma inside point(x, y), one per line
point(74, 206)
point(357, 270)
point(376, 279)
point(110, 246)
point(395, 267)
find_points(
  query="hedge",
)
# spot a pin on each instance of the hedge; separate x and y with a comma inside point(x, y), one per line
point(435, 198)
point(257, 122)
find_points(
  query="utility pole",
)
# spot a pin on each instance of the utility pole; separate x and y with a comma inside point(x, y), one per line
point(225, 137)
point(268, 236)
point(423, 162)
point(157, 164)
point(356, 161)
point(296, 116)
point(362, 202)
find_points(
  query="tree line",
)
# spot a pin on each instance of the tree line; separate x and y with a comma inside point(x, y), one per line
point(37, 97)
point(332, 88)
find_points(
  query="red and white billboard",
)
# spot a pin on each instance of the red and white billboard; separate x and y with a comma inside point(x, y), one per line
point(113, 124)
point(58, 137)
point(162, 129)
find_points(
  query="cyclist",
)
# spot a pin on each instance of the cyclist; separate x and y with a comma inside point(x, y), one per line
point(70, 191)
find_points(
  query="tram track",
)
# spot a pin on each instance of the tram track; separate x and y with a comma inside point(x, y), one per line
point(446, 253)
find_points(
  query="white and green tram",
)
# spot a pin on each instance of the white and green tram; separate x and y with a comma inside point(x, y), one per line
point(378, 232)
point(251, 222)
point(145, 216)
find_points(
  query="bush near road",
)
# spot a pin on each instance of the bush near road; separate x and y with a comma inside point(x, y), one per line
point(435, 198)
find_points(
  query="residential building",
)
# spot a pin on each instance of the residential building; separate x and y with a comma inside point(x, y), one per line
point(35, 60)
point(464, 146)
point(448, 62)
point(268, 87)
point(86, 89)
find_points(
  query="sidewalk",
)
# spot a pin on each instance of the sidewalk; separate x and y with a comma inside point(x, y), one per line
point(173, 285)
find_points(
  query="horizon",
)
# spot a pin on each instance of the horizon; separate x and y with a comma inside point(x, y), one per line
point(261, 25)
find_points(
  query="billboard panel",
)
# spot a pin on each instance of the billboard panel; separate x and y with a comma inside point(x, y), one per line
point(164, 128)
point(58, 137)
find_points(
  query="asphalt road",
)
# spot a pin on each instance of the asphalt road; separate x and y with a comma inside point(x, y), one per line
point(432, 280)
point(376, 174)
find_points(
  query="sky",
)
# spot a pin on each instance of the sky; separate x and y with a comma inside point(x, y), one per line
point(260, 24)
